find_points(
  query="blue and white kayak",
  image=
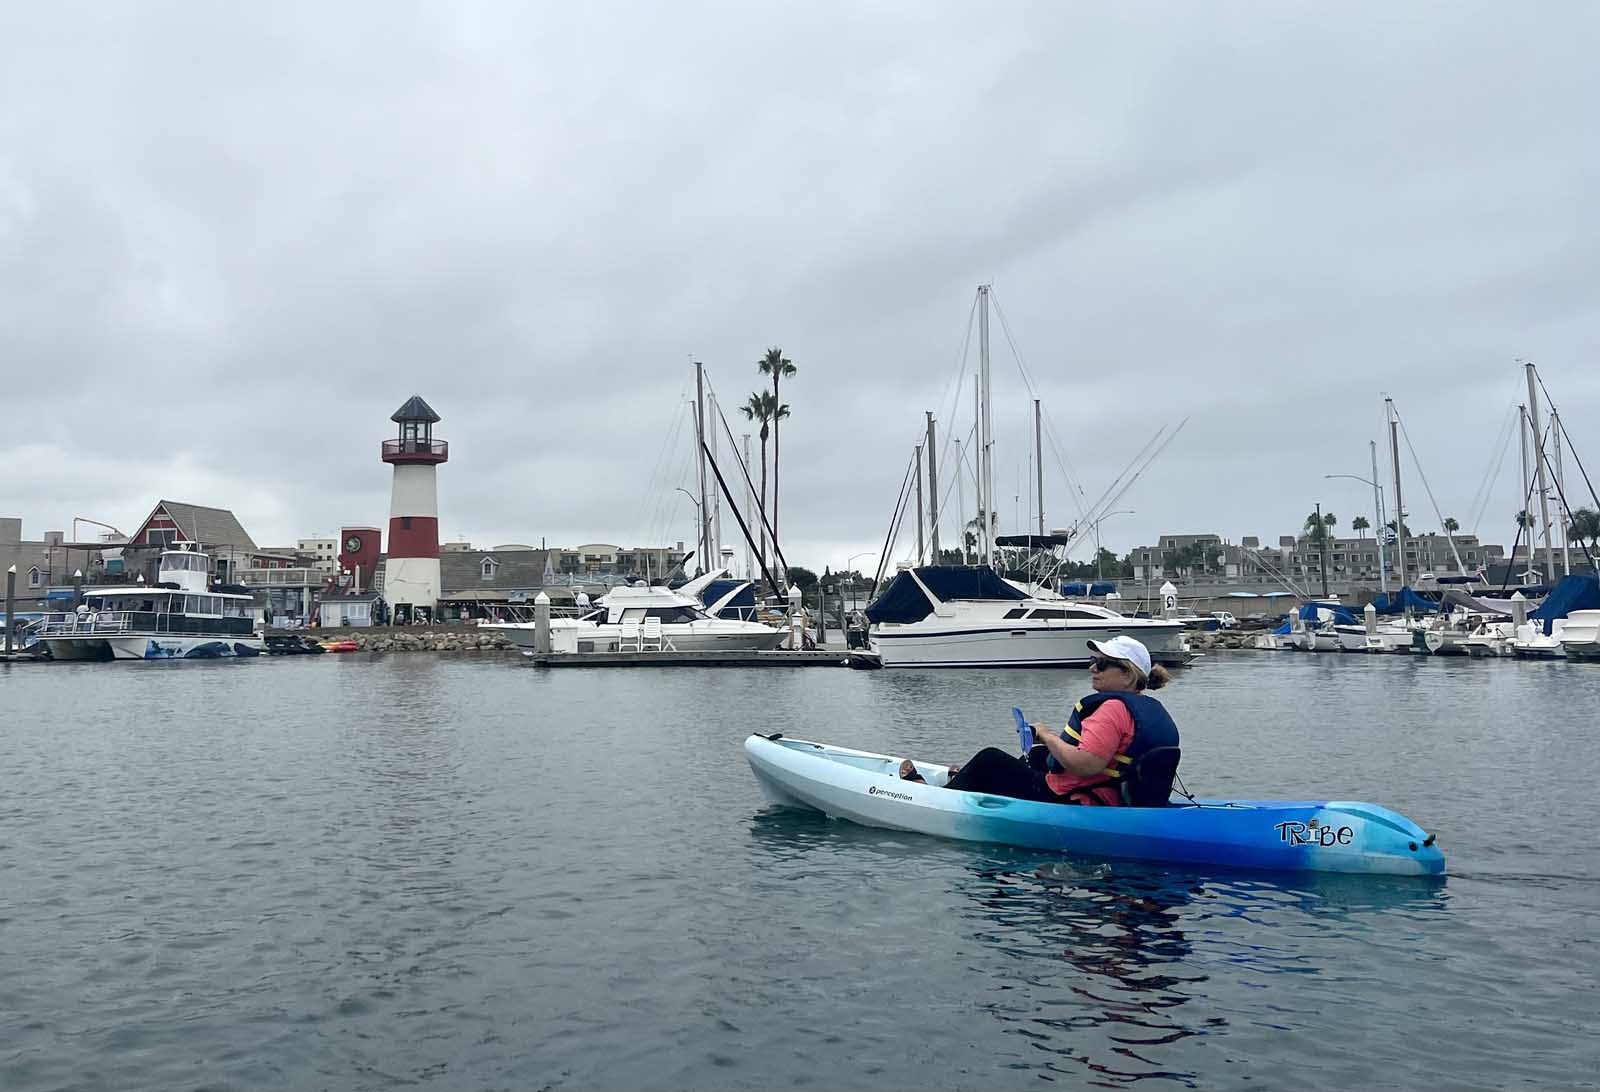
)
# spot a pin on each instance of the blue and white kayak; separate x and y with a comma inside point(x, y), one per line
point(1284, 835)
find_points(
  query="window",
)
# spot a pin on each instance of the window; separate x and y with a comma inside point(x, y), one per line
point(34, 579)
point(161, 536)
point(488, 568)
point(1016, 612)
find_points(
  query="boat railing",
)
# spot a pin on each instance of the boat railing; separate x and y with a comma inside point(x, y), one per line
point(113, 623)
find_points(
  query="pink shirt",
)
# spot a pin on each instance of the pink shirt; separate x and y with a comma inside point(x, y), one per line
point(1106, 732)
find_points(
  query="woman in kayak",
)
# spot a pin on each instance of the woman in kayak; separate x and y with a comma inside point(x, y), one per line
point(1108, 732)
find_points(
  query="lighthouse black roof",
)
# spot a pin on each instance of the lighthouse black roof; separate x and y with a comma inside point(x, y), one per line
point(415, 409)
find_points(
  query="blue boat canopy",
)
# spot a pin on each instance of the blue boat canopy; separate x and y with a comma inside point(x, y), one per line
point(1341, 613)
point(1081, 589)
point(904, 601)
point(1400, 600)
point(741, 607)
point(1580, 591)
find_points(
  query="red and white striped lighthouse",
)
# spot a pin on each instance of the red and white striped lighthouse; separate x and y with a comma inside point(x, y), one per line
point(411, 572)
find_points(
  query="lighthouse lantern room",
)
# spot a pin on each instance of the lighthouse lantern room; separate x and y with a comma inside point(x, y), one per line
point(411, 571)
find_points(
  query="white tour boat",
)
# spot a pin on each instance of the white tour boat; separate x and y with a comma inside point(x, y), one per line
point(967, 616)
point(687, 623)
point(181, 618)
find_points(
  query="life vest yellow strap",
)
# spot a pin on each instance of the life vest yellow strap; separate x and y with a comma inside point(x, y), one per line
point(1117, 760)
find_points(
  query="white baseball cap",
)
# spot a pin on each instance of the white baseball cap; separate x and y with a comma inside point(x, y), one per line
point(1124, 648)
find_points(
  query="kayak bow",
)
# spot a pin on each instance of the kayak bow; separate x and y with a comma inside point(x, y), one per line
point(1284, 835)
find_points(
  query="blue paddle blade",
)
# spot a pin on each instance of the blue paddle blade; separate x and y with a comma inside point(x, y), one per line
point(1024, 729)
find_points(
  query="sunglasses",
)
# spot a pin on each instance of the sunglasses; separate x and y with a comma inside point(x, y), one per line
point(1100, 663)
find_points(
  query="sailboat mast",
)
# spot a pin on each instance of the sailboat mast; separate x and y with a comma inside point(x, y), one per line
point(1561, 492)
point(1377, 514)
point(933, 490)
point(1399, 504)
point(986, 423)
point(1538, 472)
point(1038, 459)
point(977, 465)
point(715, 519)
point(700, 458)
point(961, 506)
point(749, 506)
point(916, 462)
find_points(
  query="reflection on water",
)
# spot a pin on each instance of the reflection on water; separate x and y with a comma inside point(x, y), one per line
point(1095, 968)
point(446, 872)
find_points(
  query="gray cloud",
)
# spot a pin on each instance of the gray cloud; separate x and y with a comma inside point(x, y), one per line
point(233, 240)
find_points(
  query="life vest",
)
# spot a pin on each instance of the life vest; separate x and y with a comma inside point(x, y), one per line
point(1152, 727)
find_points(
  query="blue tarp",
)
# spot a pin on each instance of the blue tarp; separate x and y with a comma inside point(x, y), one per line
point(741, 606)
point(1400, 600)
point(903, 601)
point(1580, 591)
point(1341, 614)
point(1081, 589)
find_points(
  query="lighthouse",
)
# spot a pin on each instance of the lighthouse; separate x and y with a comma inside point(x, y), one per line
point(411, 573)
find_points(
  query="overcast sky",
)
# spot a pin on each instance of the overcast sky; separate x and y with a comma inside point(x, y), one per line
point(235, 238)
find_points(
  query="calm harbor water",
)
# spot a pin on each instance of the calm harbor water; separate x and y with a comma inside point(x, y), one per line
point(463, 873)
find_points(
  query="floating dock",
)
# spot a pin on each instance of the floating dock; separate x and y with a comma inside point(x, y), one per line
point(823, 657)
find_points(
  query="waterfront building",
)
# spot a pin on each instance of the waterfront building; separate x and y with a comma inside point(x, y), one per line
point(411, 571)
point(360, 562)
point(324, 550)
point(604, 563)
point(1210, 562)
point(489, 583)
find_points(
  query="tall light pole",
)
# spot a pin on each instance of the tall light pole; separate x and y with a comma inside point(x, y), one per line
point(848, 563)
point(699, 525)
point(1097, 522)
point(1377, 514)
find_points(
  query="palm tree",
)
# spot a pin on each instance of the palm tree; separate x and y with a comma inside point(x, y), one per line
point(1451, 526)
point(1360, 524)
point(1316, 527)
point(1525, 519)
point(1585, 525)
point(764, 408)
point(777, 366)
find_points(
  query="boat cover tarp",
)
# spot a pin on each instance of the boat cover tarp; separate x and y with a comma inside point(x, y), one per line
point(1455, 598)
point(1400, 600)
point(903, 601)
point(1312, 612)
point(1038, 542)
point(741, 606)
point(1081, 589)
point(1580, 591)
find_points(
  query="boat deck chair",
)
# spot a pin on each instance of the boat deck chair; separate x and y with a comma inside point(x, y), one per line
point(651, 639)
point(629, 638)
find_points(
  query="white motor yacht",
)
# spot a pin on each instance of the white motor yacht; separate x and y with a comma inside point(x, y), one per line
point(967, 616)
point(181, 618)
point(687, 623)
point(1581, 635)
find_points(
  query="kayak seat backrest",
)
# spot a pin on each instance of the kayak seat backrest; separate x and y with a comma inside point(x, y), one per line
point(1147, 782)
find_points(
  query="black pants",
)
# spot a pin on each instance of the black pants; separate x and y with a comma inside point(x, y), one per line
point(994, 771)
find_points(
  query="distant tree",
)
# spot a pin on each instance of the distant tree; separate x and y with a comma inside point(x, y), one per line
point(767, 410)
point(1451, 526)
point(1585, 526)
point(775, 364)
point(802, 578)
point(1524, 519)
point(1316, 528)
point(1359, 525)
point(1406, 529)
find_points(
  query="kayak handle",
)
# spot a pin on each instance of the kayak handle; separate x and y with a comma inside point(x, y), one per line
point(994, 801)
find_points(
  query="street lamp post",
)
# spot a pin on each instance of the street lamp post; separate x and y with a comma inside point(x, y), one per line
point(848, 565)
point(1377, 514)
point(700, 528)
point(1097, 522)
